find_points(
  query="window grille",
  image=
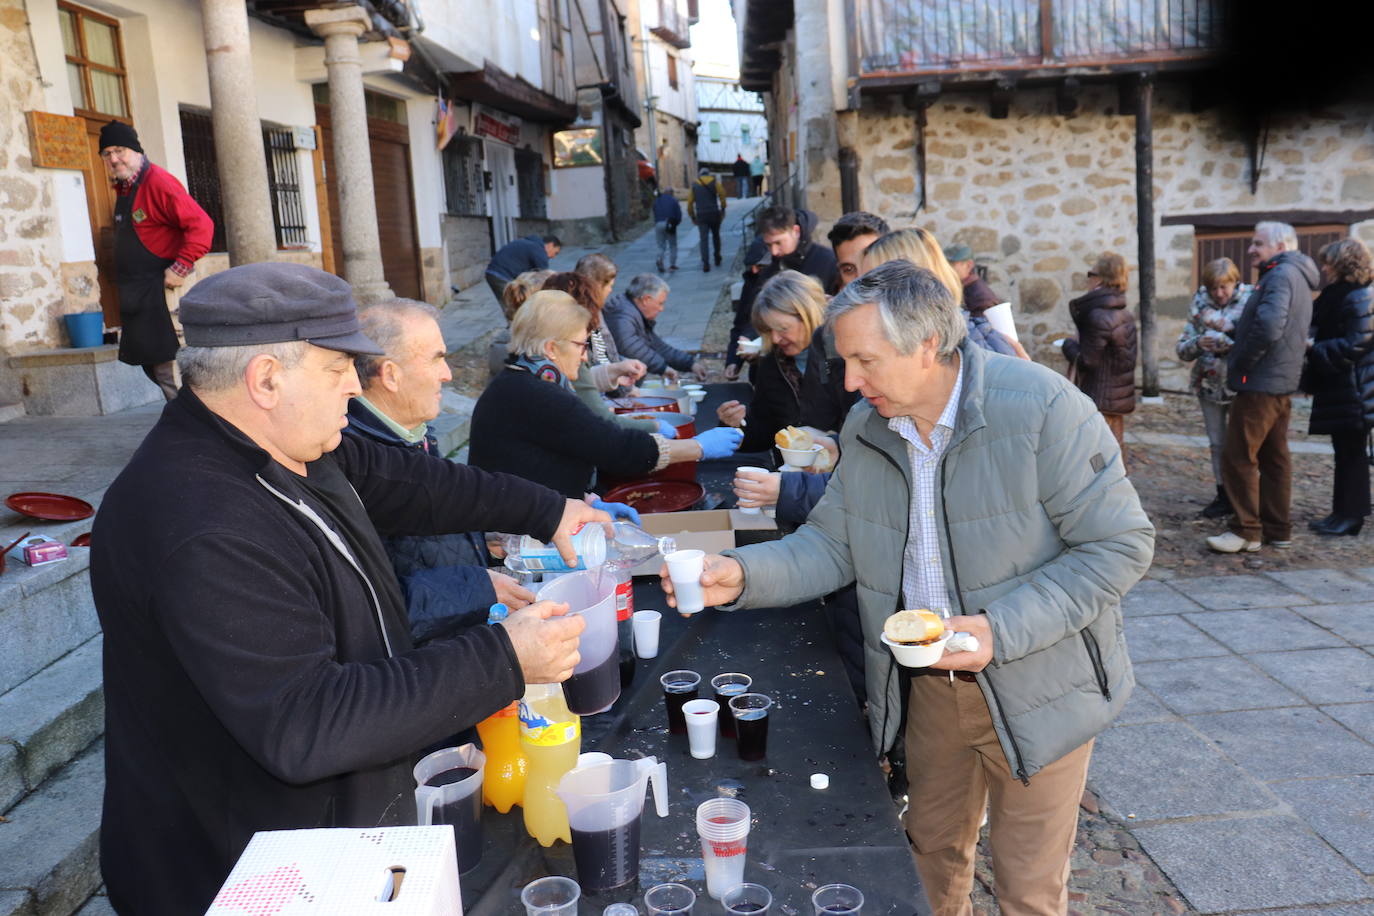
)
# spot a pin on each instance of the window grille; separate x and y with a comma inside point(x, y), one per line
point(202, 170)
point(283, 181)
point(529, 173)
point(463, 185)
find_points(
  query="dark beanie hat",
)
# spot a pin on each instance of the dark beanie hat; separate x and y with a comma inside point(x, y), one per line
point(117, 133)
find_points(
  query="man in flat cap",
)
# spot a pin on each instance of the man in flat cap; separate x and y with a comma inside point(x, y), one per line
point(160, 233)
point(259, 669)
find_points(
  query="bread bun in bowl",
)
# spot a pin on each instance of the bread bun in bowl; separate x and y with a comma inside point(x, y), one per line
point(917, 638)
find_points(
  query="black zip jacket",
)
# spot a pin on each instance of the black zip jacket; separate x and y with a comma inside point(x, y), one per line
point(256, 678)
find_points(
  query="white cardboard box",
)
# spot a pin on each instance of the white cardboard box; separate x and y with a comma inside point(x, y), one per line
point(711, 530)
point(346, 871)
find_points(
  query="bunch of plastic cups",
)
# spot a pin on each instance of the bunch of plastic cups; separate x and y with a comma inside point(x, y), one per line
point(558, 896)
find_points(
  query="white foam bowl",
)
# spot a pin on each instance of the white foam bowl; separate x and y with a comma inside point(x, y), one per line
point(801, 457)
point(917, 656)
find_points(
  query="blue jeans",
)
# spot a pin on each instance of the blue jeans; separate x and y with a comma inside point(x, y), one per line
point(666, 240)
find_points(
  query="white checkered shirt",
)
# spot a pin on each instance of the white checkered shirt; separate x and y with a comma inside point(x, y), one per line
point(923, 574)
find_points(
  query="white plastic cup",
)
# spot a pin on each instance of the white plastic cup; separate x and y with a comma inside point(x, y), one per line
point(701, 716)
point(646, 624)
point(723, 825)
point(1000, 317)
point(838, 900)
point(763, 472)
point(553, 896)
point(684, 570)
point(669, 900)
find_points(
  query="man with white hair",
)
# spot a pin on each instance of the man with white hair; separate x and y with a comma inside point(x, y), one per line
point(630, 317)
point(259, 670)
point(1263, 369)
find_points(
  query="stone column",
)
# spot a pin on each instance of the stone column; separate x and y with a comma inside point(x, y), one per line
point(362, 249)
point(820, 148)
point(238, 133)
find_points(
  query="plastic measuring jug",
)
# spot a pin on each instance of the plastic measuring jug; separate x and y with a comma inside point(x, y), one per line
point(448, 790)
point(595, 682)
point(605, 803)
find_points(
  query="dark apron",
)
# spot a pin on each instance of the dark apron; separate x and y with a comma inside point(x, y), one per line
point(147, 337)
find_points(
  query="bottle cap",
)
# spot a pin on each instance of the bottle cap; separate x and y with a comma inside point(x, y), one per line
point(497, 613)
point(820, 781)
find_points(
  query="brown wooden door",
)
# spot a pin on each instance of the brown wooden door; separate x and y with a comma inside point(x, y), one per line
point(100, 201)
point(392, 191)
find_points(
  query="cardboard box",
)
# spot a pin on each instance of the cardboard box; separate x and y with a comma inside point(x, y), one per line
point(712, 531)
point(39, 550)
point(342, 872)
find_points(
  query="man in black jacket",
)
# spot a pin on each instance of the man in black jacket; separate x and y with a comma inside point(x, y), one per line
point(1263, 368)
point(786, 233)
point(259, 672)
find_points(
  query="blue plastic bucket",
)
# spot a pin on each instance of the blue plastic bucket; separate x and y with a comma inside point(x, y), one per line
point(86, 329)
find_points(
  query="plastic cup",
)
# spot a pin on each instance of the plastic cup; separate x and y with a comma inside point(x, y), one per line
point(751, 724)
point(727, 686)
point(554, 896)
point(701, 718)
point(752, 510)
point(669, 900)
point(684, 569)
point(679, 687)
point(645, 624)
point(837, 900)
point(747, 900)
point(723, 825)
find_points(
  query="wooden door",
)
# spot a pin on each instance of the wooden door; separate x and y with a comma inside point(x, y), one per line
point(100, 202)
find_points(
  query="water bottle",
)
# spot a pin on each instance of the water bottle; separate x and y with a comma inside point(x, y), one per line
point(524, 554)
point(630, 546)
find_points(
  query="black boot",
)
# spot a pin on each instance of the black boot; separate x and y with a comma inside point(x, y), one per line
point(1219, 507)
point(1319, 524)
point(1340, 525)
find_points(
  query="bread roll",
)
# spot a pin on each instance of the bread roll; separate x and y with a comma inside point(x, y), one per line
point(792, 437)
point(914, 627)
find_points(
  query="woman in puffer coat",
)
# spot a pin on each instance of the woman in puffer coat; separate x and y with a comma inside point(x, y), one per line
point(1102, 357)
point(1339, 375)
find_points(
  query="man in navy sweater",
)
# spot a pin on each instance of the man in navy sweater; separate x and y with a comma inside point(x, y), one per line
point(530, 253)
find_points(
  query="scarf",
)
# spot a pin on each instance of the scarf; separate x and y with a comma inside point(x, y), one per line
point(540, 368)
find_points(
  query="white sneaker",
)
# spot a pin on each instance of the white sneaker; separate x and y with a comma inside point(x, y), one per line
point(1230, 542)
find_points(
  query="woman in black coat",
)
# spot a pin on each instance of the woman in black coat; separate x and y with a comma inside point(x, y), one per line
point(1340, 377)
point(1103, 355)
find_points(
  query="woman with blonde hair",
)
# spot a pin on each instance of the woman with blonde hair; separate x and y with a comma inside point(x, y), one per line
point(1103, 354)
point(788, 310)
point(1205, 341)
point(1340, 377)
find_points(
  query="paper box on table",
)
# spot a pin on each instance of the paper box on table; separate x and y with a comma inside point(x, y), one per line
point(712, 530)
point(402, 871)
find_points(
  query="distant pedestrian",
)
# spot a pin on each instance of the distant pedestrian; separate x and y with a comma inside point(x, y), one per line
point(706, 207)
point(756, 174)
point(160, 233)
point(1205, 341)
point(1340, 377)
point(741, 172)
point(978, 296)
point(514, 258)
point(1103, 355)
point(667, 217)
point(1263, 368)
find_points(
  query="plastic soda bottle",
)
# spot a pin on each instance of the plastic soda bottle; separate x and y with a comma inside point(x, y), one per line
point(551, 738)
point(503, 778)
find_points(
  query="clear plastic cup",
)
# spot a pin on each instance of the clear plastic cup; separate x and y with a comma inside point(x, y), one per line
point(678, 688)
point(646, 626)
point(729, 685)
point(751, 724)
point(553, 896)
point(684, 569)
point(838, 900)
point(670, 900)
point(747, 900)
point(723, 825)
point(701, 716)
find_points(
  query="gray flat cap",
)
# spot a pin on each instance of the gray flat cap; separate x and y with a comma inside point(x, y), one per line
point(958, 252)
point(274, 302)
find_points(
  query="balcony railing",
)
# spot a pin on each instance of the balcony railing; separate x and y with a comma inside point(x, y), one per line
point(934, 37)
point(672, 25)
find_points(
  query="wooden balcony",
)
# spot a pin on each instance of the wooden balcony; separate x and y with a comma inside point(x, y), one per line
point(900, 42)
point(672, 25)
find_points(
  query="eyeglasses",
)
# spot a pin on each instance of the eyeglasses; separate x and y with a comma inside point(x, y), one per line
point(1092, 273)
point(584, 344)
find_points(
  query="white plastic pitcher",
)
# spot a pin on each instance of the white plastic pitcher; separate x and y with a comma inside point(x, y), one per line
point(595, 682)
point(457, 802)
point(605, 803)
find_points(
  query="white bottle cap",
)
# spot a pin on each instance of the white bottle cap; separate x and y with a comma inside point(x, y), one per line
point(820, 781)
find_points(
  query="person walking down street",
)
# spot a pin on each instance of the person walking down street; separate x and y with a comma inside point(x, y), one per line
point(160, 233)
point(1103, 355)
point(257, 650)
point(741, 172)
point(667, 217)
point(1205, 341)
point(706, 207)
point(1340, 377)
point(978, 296)
point(756, 174)
point(1264, 368)
point(532, 252)
point(630, 317)
point(991, 487)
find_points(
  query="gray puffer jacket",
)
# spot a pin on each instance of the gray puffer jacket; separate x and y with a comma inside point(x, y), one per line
point(1039, 529)
point(1271, 333)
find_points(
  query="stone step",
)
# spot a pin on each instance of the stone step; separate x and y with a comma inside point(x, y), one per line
point(98, 905)
point(15, 903)
point(49, 719)
point(49, 845)
point(12, 412)
point(46, 611)
point(453, 423)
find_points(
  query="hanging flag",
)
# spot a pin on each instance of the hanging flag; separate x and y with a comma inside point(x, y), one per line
point(445, 121)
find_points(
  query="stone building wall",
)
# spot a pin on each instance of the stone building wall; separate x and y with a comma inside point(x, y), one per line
point(1038, 196)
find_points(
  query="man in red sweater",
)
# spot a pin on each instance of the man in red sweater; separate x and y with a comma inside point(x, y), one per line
point(160, 233)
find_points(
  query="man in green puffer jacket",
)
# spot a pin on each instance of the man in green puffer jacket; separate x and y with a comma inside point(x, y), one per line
point(990, 486)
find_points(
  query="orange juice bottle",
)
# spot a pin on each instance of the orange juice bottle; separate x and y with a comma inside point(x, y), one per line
point(503, 779)
point(551, 738)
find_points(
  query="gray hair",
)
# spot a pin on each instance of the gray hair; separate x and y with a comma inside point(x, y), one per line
point(384, 325)
point(1276, 233)
point(646, 285)
point(913, 306)
point(212, 369)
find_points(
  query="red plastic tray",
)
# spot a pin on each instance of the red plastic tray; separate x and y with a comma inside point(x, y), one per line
point(53, 507)
point(657, 495)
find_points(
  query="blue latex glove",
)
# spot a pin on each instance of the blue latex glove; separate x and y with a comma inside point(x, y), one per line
point(666, 429)
point(721, 442)
point(618, 511)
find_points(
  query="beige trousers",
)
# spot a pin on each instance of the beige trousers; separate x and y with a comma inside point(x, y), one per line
point(957, 769)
